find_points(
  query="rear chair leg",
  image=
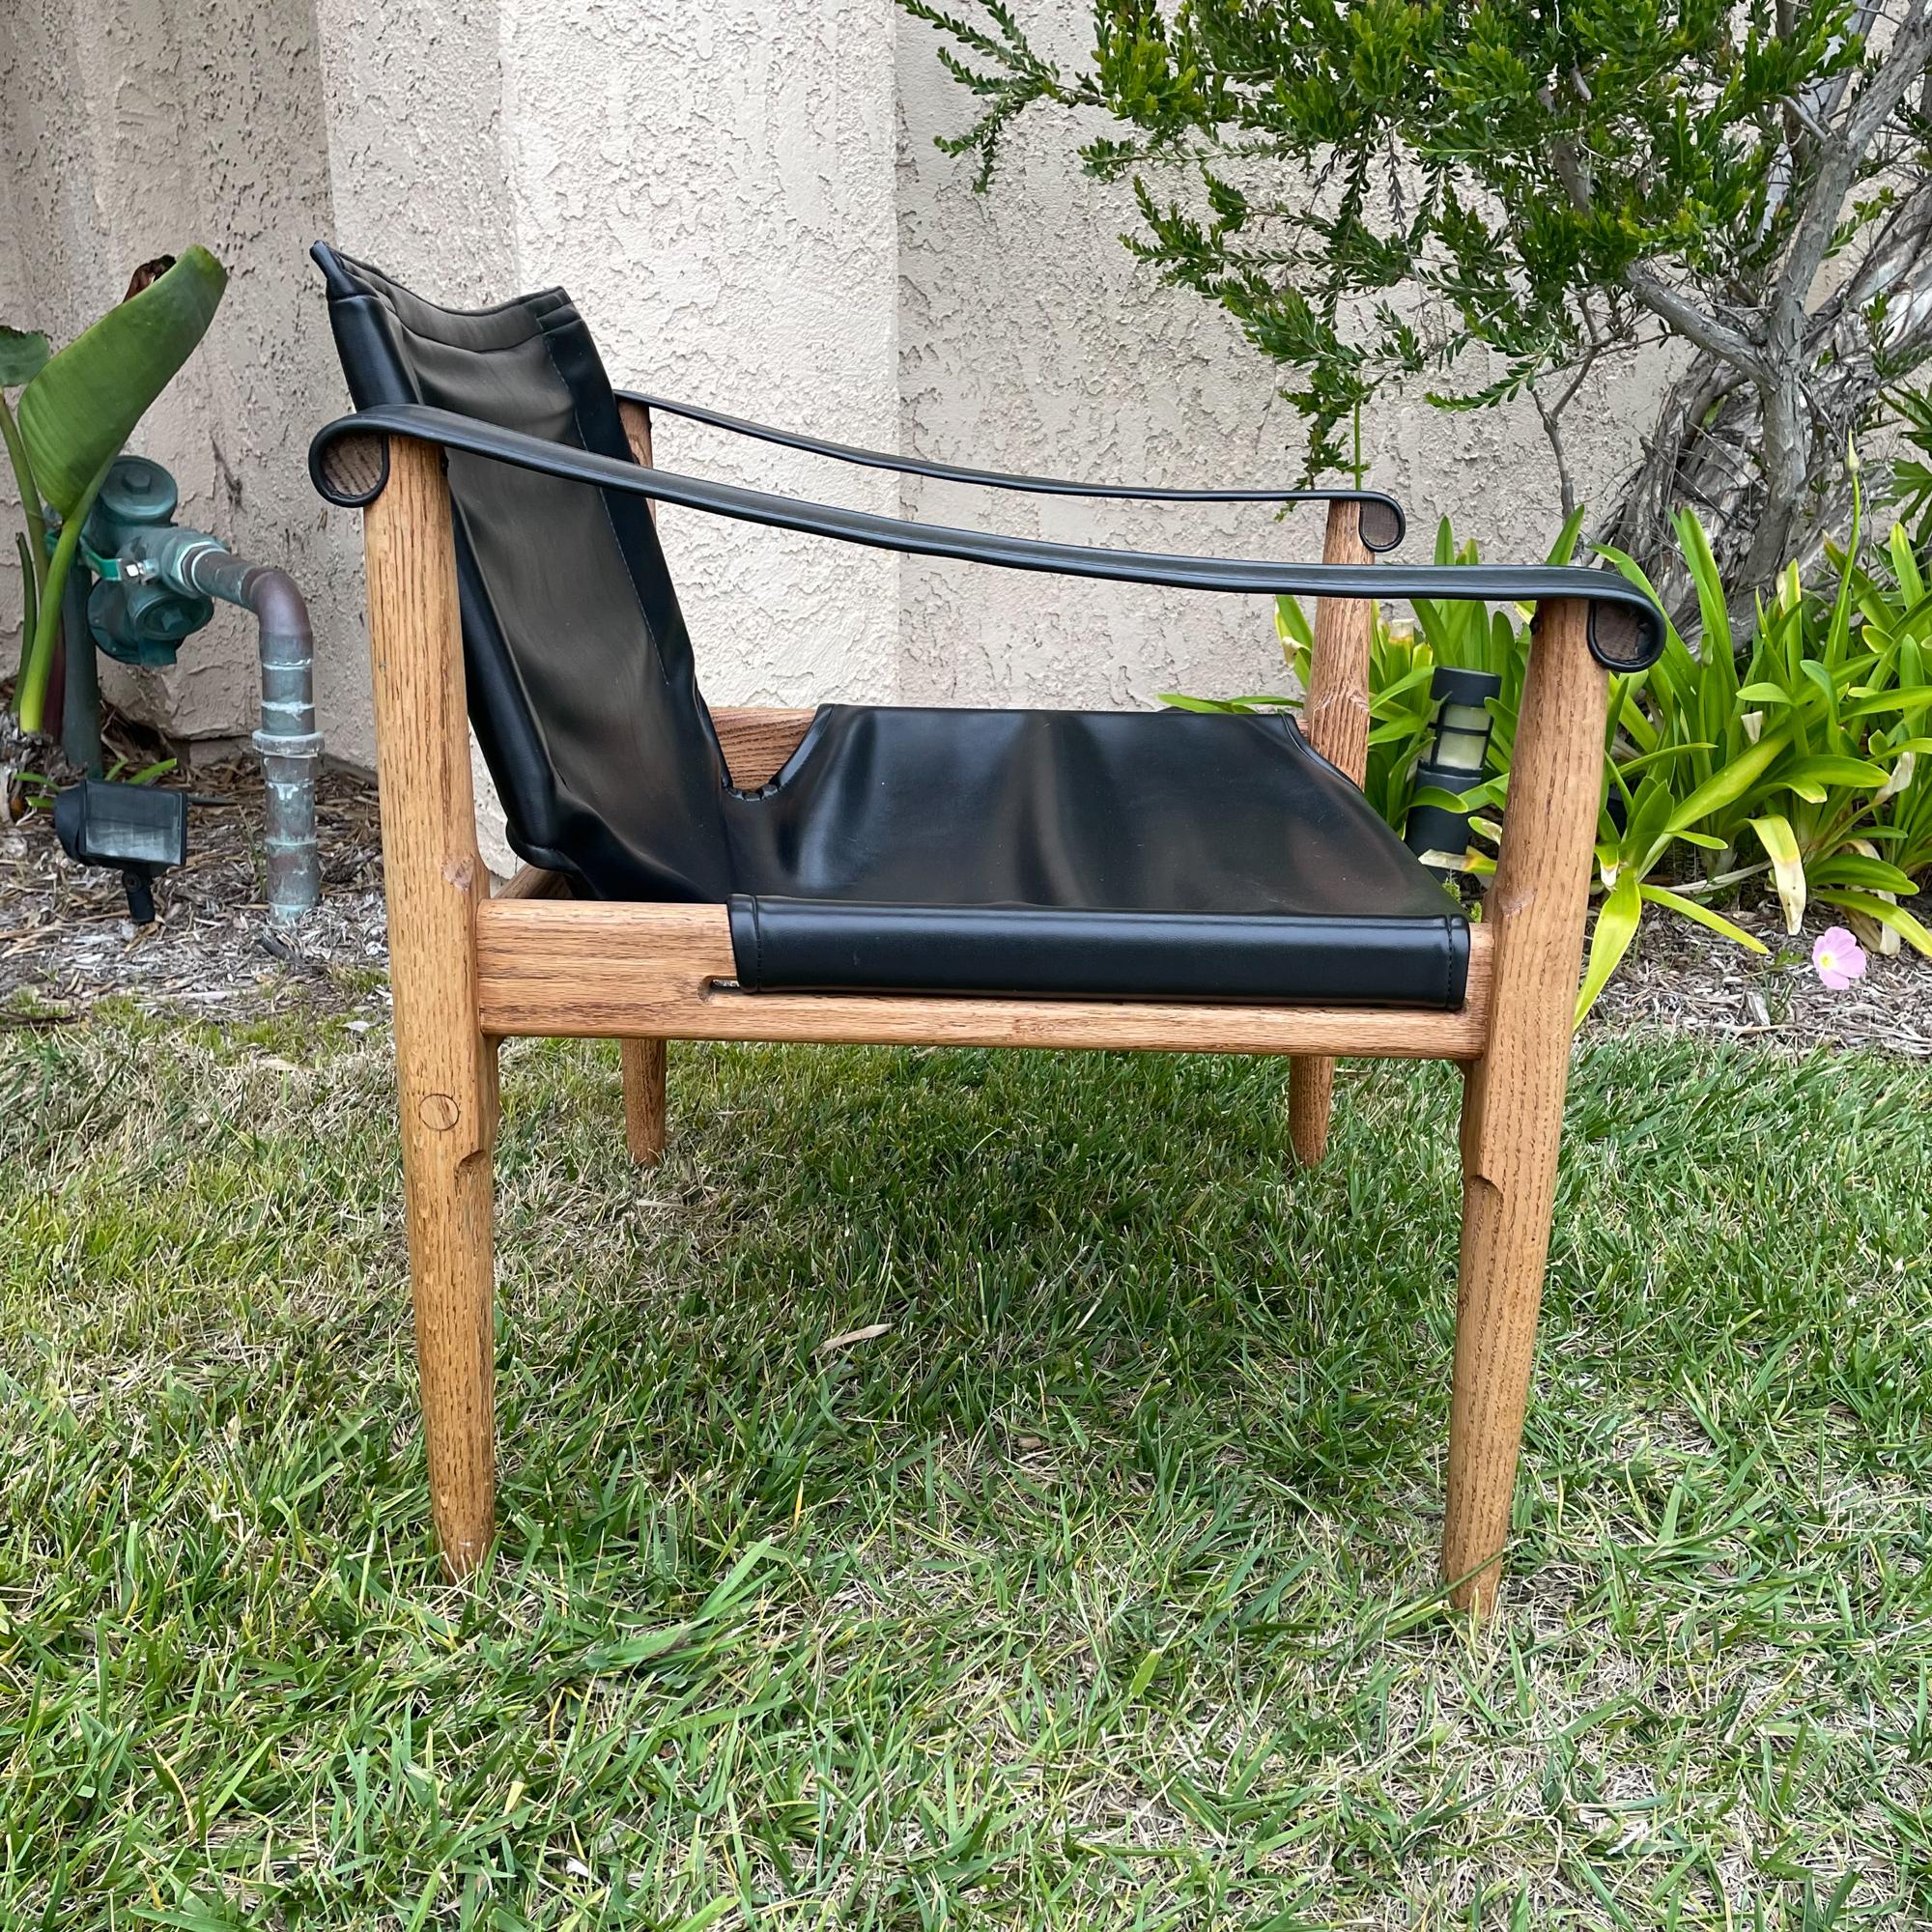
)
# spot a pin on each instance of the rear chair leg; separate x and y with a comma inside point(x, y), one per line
point(1311, 1097)
point(644, 1099)
point(1513, 1094)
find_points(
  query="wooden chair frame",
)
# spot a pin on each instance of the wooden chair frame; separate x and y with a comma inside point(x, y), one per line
point(468, 970)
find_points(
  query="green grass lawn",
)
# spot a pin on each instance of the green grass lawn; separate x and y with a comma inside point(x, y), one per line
point(1096, 1592)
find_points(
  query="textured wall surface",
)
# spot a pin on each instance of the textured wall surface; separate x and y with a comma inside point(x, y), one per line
point(413, 103)
point(128, 127)
point(747, 203)
point(714, 185)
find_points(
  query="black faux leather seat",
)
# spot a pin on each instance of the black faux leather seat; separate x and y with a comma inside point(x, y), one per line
point(1119, 854)
point(1081, 852)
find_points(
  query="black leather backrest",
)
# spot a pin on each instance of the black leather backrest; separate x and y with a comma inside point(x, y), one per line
point(581, 683)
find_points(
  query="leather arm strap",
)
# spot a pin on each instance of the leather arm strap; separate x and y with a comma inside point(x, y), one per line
point(349, 463)
point(1383, 520)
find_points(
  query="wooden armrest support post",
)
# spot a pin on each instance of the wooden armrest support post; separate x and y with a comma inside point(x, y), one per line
point(1335, 716)
point(1513, 1092)
point(645, 1062)
point(756, 742)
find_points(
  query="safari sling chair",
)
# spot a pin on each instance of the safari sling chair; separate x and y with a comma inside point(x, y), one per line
point(1165, 880)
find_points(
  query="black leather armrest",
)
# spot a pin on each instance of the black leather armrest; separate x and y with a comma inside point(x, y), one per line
point(349, 463)
point(1383, 523)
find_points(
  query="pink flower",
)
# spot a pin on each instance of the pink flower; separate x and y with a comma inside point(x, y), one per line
point(1839, 958)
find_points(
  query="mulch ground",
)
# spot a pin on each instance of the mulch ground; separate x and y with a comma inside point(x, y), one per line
point(65, 940)
point(1680, 978)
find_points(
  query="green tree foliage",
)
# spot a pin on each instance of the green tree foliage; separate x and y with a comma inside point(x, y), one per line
point(1374, 189)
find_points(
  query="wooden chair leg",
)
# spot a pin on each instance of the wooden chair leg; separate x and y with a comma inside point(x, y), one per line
point(1311, 1095)
point(1335, 715)
point(1513, 1094)
point(1507, 1194)
point(448, 1183)
point(644, 1099)
point(445, 1066)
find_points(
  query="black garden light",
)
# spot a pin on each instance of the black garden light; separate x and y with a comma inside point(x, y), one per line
point(138, 830)
point(1438, 835)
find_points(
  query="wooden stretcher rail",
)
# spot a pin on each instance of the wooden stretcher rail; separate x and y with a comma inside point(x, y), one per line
point(531, 882)
point(757, 742)
point(609, 971)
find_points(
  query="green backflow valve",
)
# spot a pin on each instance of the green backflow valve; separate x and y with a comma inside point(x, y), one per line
point(139, 610)
point(140, 588)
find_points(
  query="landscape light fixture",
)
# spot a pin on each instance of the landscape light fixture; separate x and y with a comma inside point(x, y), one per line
point(137, 830)
point(1437, 834)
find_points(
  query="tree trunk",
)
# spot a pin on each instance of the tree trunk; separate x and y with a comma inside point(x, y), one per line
point(1715, 450)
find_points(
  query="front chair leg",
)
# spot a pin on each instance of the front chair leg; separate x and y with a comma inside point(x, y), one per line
point(445, 1066)
point(644, 1099)
point(1513, 1094)
point(1508, 1190)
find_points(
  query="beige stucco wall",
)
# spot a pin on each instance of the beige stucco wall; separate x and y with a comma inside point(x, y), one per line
point(717, 194)
point(714, 185)
point(128, 128)
point(411, 111)
point(746, 202)
point(716, 189)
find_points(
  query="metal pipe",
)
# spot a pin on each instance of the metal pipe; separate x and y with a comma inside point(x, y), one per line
point(290, 745)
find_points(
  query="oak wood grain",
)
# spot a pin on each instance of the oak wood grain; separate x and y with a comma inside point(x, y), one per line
point(531, 882)
point(757, 742)
point(644, 1060)
point(645, 1119)
point(637, 421)
point(434, 884)
point(1335, 716)
point(640, 971)
point(1513, 1094)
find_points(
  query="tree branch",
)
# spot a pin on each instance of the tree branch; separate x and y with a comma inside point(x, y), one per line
point(1729, 345)
point(1650, 289)
point(1839, 154)
point(1552, 428)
